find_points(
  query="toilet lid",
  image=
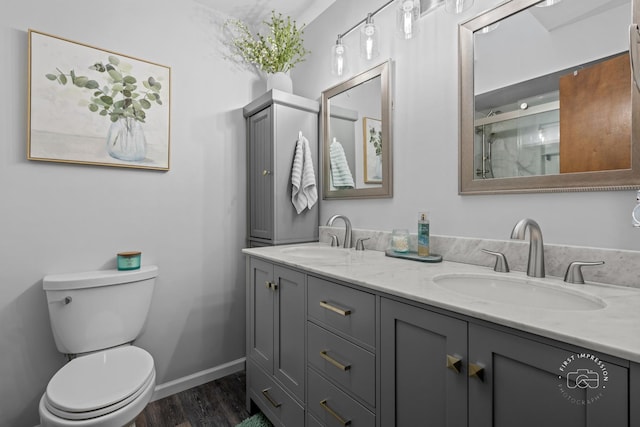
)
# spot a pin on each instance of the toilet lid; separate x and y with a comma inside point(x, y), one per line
point(100, 380)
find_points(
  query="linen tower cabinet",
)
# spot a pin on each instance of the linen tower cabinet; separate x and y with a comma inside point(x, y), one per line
point(274, 122)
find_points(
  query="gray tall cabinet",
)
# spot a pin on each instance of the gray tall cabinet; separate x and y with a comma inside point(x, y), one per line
point(274, 121)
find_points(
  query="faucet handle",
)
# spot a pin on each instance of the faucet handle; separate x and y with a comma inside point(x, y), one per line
point(334, 240)
point(574, 272)
point(360, 243)
point(501, 265)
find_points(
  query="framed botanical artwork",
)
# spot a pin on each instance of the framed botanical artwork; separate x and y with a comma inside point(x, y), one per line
point(372, 138)
point(93, 106)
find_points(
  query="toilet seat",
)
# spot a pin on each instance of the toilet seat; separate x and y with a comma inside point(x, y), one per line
point(100, 383)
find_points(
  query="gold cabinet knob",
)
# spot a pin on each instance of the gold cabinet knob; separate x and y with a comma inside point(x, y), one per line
point(476, 371)
point(266, 172)
point(454, 363)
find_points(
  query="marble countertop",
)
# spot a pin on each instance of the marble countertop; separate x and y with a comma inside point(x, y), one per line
point(614, 329)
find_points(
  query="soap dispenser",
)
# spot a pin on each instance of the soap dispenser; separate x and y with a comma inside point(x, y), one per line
point(423, 235)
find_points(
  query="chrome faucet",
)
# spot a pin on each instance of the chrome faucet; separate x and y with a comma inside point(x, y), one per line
point(535, 265)
point(347, 231)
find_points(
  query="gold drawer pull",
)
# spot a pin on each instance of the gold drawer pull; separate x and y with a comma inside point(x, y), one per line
point(333, 361)
point(454, 363)
point(335, 309)
point(476, 371)
point(265, 393)
point(341, 420)
point(271, 285)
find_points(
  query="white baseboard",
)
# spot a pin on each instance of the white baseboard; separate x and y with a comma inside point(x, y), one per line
point(198, 378)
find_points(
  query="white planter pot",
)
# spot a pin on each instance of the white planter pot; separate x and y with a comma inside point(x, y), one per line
point(280, 81)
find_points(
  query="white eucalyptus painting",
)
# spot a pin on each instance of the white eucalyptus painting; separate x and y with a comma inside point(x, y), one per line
point(93, 106)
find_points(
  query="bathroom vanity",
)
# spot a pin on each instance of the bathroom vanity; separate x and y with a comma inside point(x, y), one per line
point(343, 337)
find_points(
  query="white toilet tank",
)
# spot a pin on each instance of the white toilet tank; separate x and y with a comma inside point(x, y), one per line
point(95, 310)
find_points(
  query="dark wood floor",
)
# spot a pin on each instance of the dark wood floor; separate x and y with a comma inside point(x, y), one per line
point(220, 403)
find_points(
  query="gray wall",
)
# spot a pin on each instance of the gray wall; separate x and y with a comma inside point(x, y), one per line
point(426, 142)
point(189, 221)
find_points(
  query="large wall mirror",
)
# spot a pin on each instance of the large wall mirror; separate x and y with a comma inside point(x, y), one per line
point(357, 138)
point(547, 98)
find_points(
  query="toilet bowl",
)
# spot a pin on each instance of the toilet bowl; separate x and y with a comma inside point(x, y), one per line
point(107, 389)
point(95, 316)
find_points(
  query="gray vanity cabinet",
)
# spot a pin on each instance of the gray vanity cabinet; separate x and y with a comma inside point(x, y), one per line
point(327, 353)
point(416, 386)
point(274, 122)
point(275, 340)
point(522, 384)
point(440, 370)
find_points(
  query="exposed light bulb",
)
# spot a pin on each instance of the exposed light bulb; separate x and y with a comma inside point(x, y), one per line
point(369, 40)
point(408, 12)
point(407, 23)
point(369, 31)
point(338, 58)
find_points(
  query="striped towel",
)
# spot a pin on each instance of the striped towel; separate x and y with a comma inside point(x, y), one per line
point(340, 173)
point(304, 193)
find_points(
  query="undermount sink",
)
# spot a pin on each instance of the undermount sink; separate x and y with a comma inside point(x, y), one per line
point(317, 252)
point(518, 291)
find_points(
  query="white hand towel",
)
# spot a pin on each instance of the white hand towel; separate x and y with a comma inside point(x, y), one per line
point(340, 173)
point(304, 193)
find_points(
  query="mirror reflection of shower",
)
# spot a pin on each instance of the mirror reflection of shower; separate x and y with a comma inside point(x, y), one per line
point(518, 139)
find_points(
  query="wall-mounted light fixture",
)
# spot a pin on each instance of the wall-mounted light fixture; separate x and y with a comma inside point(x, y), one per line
point(369, 40)
point(338, 58)
point(408, 13)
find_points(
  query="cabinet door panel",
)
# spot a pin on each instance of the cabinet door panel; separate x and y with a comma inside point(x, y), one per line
point(524, 386)
point(289, 333)
point(261, 314)
point(273, 400)
point(261, 174)
point(417, 388)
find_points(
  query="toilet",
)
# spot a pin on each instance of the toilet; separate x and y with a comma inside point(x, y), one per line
point(95, 316)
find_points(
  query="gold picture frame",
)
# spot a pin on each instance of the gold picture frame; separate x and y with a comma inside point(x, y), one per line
point(372, 141)
point(93, 106)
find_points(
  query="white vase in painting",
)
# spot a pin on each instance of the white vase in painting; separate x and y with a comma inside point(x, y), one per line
point(279, 81)
point(378, 168)
point(126, 140)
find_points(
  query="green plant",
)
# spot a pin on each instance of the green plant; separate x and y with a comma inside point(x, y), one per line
point(278, 51)
point(375, 138)
point(120, 96)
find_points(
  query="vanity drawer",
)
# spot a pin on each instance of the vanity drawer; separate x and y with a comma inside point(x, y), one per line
point(332, 407)
point(272, 399)
point(346, 364)
point(345, 309)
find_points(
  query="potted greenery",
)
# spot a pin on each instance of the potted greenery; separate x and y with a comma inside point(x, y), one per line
point(122, 100)
point(274, 53)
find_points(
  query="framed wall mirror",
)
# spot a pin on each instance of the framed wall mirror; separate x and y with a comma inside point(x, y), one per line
point(357, 137)
point(547, 98)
